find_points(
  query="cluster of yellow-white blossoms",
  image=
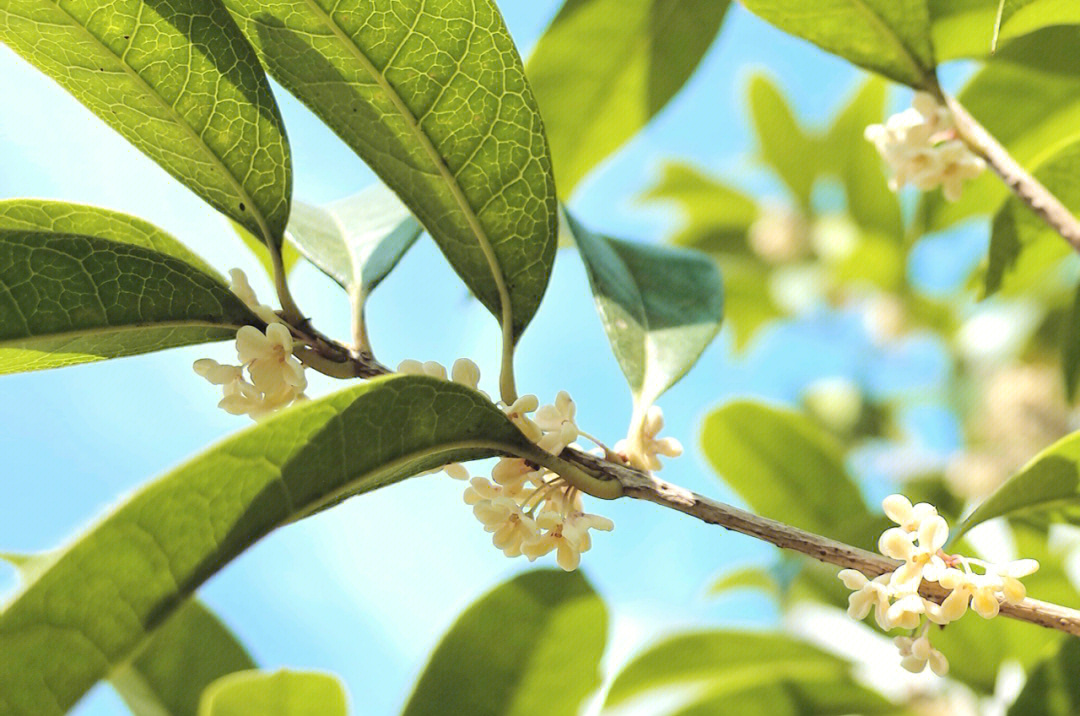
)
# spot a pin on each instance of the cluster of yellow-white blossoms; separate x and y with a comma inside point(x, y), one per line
point(529, 510)
point(920, 145)
point(276, 376)
point(895, 598)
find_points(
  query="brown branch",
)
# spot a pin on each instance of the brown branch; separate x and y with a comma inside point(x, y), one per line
point(642, 486)
point(1037, 197)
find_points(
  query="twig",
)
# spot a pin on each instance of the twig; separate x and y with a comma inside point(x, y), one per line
point(1022, 183)
point(642, 486)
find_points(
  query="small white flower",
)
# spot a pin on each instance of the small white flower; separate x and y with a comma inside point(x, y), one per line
point(867, 594)
point(642, 447)
point(921, 559)
point(514, 472)
point(269, 360)
point(518, 412)
point(557, 422)
point(239, 285)
point(429, 368)
point(465, 372)
point(900, 510)
point(560, 536)
point(480, 489)
point(511, 527)
point(779, 235)
point(456, 470)
point(917, 652)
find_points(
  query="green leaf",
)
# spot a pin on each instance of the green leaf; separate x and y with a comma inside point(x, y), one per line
point(869, 200)
point(754, 578)
point(715, 217)
point(277, 693)
point(178, 81)
point(965, 28)
point(725, 663)
point(1023, 248)
point(888, 36)
point(661, 307)
point(188, 653)
point(1038, 78)
point(61, 217)
point(434, 98)
point(1053, 687)
point(750, 303)
point(594, 101)
point(191, 650)
point(289, 255)
point(784, 146)
point(358, 240)
point(106, 593)
point(793, 697)
point(788, 468)
point(1047, 489)
point(531, 647)
point(68, 299)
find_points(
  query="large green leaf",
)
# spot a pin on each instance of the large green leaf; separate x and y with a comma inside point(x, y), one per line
point(793, 697)
point(1053, 687)
point(102, 599)
point(531, 647)
point(67, 299)
point(791, 152)
point(1038, 78)
point(661, 307)
point(715, 217)
point(1046, 489)
point(869, 200)
point(1023, 248)
point(788, 468)
point(277, 693)
point(888, 36)
point(358, 240)
point(726, 664)
point(433, 96)
point(177, 80)
point(965, 28)
point(191, 650)
point(604, 68)
point(61, 217)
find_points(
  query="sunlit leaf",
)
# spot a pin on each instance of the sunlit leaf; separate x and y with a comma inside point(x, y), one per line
point(107, 593)
point(793, 697)
point(1047, 489)
point(594, 101)
point(753, 578)
point(715, 217)
point(289, 255)
point(888, 36)
point(67, 299)
point(1038, 78)
point(661, 307)
point(178, 81)
point(792, 153)
point(869, 200)
point(191, 650)
point(1053, 686)
point(788, 468)
point(965, 28)
point(433, 97)
point(531, 647)
point(729, 664)
point(280, 693)
point(1023, 248)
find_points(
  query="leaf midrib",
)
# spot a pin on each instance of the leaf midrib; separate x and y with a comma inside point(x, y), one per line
point(433, 155)
point(178, 119)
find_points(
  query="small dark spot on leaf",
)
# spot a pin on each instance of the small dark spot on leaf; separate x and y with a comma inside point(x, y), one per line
point(242, 207)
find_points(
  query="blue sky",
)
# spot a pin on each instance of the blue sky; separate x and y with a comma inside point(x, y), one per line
point(366, 589)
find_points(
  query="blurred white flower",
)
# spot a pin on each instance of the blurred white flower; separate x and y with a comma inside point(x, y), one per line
point(837, 402)
point(834, 237)
point(779, 235)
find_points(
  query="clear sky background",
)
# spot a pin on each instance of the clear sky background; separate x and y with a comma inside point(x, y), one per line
point(367, 589)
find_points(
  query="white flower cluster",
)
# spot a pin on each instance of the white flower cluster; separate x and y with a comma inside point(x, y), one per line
point(918, 540)
point(276, 376)
point(529, 510)
point(920, 145)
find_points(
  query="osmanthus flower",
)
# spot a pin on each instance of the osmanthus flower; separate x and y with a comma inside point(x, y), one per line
point(239, 285)
point(557, 422)
point(269, 359)
point(511, 527)
point(480, 490)
point(919, 541)
point(920, 146)
point(514, 472)
point(642, 448)
point(916, 653)
point(560, 536)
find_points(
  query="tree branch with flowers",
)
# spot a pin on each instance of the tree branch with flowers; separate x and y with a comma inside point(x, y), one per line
point(482, 153)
